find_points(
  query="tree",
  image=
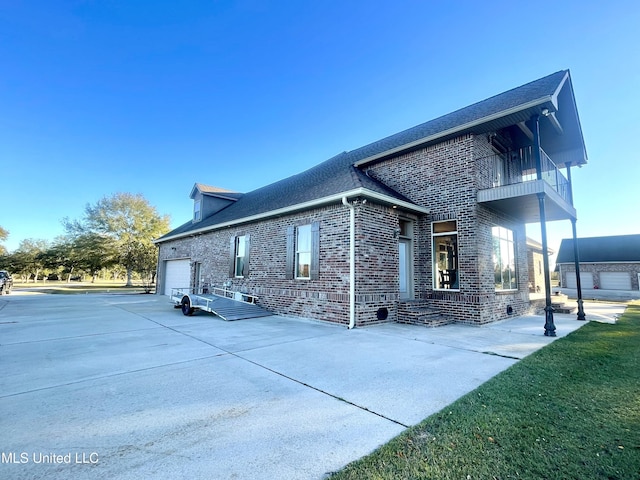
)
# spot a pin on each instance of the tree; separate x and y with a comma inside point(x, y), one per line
point(28, 259)
point(86, 253)
point(143, 258)
point(93, 252)
point(4, 234)
point(124, 223)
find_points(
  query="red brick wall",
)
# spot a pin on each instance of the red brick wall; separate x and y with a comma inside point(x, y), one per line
point(444, 178)
point(325, 299)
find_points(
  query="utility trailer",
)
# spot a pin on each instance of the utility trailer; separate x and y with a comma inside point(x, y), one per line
point(226, 304)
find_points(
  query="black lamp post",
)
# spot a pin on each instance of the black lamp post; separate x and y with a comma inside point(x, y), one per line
point(576, 254)
point(549, 325)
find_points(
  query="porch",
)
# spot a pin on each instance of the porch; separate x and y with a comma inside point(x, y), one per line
point(516, 187)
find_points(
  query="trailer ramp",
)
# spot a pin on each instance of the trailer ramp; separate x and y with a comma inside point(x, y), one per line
point(226, 304)
point(229, 309)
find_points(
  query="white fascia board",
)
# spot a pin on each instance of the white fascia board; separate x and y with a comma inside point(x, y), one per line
point(357, 192)
point(554, 97)
point(453, 130)
point(622, 262)
point(390, 200)
point(193, 191)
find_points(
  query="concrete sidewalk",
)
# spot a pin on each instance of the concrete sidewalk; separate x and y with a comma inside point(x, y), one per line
point(599, 294)
point(124, 386)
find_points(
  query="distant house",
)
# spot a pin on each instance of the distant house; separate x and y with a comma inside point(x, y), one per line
point(429, 219)
point(609, 263)
point(535, 262)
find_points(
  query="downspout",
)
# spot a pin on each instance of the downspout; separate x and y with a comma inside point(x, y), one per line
point(352, 262)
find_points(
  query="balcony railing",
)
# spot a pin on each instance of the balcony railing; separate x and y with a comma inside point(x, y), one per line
point(519, 166)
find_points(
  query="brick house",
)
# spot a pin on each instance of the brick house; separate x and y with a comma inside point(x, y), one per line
point(431, 219)
point(609, 263)
point(535, 262)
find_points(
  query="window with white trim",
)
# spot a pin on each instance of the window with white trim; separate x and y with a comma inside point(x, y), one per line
point(197, 210)
point(303, 251)
point(240, 255)
point(445, 255)
point(504, 259)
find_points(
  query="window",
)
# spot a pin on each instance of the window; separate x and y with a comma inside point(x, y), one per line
point(405, 258)
point(197, 212)
point(239, 265)
point(504, 259)
point(445, 255)
point(240, 254)
point(303, 252)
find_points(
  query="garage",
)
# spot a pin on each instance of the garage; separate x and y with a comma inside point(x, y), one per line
point(615, 280)
point(586, 280)
point(177, 274)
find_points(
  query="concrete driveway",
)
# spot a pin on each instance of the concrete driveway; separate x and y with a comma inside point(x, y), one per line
point(124, 386)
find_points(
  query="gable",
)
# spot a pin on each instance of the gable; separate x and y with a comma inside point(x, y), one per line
point(552, 94)
point(208, 200)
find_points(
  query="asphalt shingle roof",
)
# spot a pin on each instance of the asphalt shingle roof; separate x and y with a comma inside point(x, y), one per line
point(338, 174)
point(211, 189)
point(620, 248)
point(525, 94)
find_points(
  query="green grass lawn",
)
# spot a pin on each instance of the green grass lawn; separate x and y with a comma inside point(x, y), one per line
point(60, 287)
point(568, 411)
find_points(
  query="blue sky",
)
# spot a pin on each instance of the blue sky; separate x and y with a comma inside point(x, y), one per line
point(99, 97)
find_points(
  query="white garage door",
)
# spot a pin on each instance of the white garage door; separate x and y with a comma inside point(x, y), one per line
point(177, 274)
point(586, 280)
point(615, 280)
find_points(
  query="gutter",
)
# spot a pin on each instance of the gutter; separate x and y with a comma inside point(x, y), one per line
point(364, 192)
point(352, 262)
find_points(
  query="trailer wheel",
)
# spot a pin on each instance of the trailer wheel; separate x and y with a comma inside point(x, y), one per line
point(187, 309)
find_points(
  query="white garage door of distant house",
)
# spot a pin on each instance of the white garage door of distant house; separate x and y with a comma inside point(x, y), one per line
point(615, 280)
point(586, 280)
point(177, 274)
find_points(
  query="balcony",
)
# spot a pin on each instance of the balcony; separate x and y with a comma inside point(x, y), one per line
point(515, 187)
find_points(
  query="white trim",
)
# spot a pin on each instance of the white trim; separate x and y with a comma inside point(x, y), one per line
point(364, 192)
point(352, 262)
point(297, 251)
point(236, 243)
point(513, 247)
point(434, 259)
point(597, 263)
point(197, 212)
point(453, 130)
point(554, 97)
point(556, 123)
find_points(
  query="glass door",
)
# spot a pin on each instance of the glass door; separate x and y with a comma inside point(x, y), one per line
point(404, 258)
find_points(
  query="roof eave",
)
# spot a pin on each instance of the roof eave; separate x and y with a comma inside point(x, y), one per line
point(357, 192)
point(455, 130)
